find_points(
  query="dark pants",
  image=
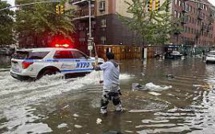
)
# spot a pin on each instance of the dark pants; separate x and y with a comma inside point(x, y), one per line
point(110, 96)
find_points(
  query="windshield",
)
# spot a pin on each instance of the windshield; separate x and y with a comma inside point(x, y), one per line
point(29, 55)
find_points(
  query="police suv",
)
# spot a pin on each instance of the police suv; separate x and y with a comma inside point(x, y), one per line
point(37, 62)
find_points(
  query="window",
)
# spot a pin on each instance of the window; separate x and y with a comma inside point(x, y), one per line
point(63, 55)
point(103, 23)
point(176, 1)
point(102, 5)
point(37, 55)
point(29, 55)
point(103, 39)
point(179, 15)
point(78, 55)
point(175, 13)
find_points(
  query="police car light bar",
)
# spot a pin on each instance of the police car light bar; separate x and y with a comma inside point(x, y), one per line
point(61, 45)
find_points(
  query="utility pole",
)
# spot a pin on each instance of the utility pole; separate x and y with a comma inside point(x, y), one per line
point(90, 39)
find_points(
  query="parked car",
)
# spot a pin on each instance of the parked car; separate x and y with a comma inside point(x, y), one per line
point(37, 62)
point(210, 57)
point(173, 55)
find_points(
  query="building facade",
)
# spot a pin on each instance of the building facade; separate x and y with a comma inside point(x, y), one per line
point(196, 22)
point(106, 27)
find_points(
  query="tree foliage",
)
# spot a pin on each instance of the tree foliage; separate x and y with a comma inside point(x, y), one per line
point(38, 23)
point(6, 24)
point(154, 27)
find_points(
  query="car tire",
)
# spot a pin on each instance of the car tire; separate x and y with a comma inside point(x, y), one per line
point(47, 72)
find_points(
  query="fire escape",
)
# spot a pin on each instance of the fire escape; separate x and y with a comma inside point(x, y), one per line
point(182, 22)
point(184, 17)
point(199, 18)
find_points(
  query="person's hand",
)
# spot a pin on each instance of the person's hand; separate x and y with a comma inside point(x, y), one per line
point(93, 64)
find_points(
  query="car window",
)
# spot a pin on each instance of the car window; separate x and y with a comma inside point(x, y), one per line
point(78, 55)
point(20, 54)
point(29, 55)
point(63, 55)
point(37, 55)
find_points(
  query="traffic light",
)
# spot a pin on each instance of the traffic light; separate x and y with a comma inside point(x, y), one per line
point(150, 4)
point(57, 9)
point(61, 9)
point(157, 5)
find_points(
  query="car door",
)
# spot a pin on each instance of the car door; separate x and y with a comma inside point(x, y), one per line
point(83, 63)
point(65, 61)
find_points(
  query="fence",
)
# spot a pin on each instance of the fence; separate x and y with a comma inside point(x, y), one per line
point(122, 52)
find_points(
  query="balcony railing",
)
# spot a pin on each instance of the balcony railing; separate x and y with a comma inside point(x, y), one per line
point(84, 13)
point(77, 2)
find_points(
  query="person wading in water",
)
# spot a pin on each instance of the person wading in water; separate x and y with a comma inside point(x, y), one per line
point(111, 89)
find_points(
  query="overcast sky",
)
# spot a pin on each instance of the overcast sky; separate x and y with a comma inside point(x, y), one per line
point(212, 1)
point(11, 2)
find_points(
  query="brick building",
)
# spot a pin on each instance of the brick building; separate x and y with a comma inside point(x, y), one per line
point(106, 27)
point(197, 22)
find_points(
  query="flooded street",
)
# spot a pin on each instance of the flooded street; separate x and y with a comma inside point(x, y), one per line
point(177, 97)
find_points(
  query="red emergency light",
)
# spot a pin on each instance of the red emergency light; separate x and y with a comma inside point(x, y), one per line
point(61, 45)
point(59, 41)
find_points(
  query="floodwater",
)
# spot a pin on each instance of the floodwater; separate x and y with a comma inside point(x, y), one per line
point(178, 97)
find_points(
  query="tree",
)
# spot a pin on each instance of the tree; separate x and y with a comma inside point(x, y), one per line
point(38, 23)
point(153, 26)
point(6, 24)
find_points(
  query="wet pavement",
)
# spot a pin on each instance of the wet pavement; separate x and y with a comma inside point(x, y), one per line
point(178, 97)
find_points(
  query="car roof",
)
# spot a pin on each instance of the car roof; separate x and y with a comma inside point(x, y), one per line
point(45, 49)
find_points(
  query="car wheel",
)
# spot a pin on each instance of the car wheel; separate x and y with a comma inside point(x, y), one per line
point(207, 62)
point(47, 72)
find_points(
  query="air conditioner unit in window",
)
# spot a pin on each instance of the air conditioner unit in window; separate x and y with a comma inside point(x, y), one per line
point(102, 6)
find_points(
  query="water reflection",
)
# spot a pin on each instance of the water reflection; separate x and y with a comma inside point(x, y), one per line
point(22, 120)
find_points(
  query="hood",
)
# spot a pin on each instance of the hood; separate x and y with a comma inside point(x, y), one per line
point(99, 59)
